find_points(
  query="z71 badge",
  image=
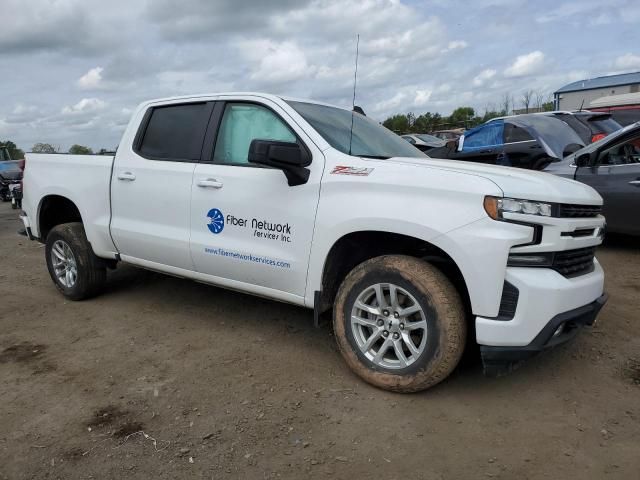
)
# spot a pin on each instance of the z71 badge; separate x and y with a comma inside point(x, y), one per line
point(358, 171)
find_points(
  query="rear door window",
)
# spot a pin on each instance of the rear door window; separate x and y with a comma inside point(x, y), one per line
point(175, 132)
point(514, 133)
point(488, 135)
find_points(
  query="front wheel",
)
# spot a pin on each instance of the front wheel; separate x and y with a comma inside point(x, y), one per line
point(399, 323)
point(74, 268)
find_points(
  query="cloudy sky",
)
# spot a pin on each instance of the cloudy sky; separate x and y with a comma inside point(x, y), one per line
point(71, 71)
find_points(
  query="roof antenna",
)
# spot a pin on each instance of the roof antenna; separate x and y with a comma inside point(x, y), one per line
point(581, 105)
point(353, 102)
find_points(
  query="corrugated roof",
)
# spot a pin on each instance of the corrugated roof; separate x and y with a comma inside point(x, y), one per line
point(601, 82)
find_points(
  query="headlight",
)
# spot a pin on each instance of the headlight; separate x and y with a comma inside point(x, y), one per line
point(495, 207)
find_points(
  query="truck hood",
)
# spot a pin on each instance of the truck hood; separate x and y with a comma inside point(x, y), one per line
point(516, 182)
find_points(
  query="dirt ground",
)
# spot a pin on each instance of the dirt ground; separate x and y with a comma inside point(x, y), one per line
point(225, 385)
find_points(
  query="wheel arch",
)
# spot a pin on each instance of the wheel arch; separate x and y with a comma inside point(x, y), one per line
point(356, 247)
point(54, 210)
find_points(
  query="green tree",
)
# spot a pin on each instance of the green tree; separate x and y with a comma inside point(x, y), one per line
point(462, 116)
point(80, 150)
point(14, 152)
point(43, 148)
point(397, 123)
point(547, 107)
point(422, 123)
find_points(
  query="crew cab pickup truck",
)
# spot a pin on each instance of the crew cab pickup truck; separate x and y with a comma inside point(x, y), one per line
point(323, 207)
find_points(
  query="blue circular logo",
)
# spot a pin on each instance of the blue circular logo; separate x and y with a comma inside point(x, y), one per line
point(216, 221)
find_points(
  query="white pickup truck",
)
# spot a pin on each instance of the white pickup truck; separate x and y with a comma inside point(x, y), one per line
point(319, 206)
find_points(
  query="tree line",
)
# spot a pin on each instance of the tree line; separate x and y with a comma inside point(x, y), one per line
point(17, 153)
point(467, 117)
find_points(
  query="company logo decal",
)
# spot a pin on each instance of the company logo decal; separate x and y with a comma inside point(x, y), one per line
point(215, 221)
point(260, 228)
point(357, 171)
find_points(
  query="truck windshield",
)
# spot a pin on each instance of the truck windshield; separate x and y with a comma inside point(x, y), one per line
point(370, 139)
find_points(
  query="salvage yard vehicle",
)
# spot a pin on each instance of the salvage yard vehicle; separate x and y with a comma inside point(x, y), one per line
point(322, 207)
point(590, 126)
point(423, 141)
point(10, 174)
point(612, 167)
point(529, 141)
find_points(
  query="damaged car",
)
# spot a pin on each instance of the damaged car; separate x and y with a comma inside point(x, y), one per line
point(612, 167)
point(526, 141)
point(423, 141)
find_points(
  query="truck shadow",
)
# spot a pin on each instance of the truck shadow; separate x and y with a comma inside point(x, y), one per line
point(269, 323)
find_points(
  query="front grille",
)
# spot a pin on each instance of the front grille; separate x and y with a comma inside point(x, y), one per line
point(579, 211)
point(571, 263)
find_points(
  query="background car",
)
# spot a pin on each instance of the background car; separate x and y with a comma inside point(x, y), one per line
point(423, 141)
point(525, 141)
point(448, 135)
point(10, 173)
point(611, 166)
point(590, 126)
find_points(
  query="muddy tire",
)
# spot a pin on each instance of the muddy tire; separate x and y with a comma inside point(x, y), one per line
point(408, 309)
point(74, 268)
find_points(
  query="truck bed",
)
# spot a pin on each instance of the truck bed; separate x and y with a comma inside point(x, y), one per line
point(83, 179)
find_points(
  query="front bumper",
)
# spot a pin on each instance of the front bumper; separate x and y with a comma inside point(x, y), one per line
point(542, 294)
point(499, 360)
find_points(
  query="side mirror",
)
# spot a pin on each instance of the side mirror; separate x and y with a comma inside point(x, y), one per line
point(290, 157)
point(584, 160)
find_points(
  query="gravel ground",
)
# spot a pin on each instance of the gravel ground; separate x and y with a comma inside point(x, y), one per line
point(166, 378)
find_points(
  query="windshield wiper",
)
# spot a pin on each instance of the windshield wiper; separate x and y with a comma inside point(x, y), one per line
point(377, 157)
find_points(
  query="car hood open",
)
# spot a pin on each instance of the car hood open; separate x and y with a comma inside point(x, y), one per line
point(553, 134)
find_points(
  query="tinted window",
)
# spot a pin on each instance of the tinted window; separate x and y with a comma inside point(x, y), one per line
point(242, 123)
point(604, 125)
point(175, 132)
point(409, 139)
point(577, 125)
point(514, 133)
point(369, 139)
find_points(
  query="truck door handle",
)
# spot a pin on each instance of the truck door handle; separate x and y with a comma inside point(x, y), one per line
point(210, 183)
point(635, 182)
point(126, 176)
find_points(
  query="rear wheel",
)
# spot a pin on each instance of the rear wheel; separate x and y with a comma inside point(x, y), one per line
point(399, 323)
point(74, 268)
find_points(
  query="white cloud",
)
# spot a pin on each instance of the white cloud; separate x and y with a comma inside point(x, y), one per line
point(392, 103)
point(628, 61)
point(86, 105)
point(457, 44)
point(92, 79)
point(277, 62)
point(484, 76)
point(422, 98)
point(525, 65)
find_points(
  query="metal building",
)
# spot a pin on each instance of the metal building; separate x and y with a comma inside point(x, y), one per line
point(581, 93)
